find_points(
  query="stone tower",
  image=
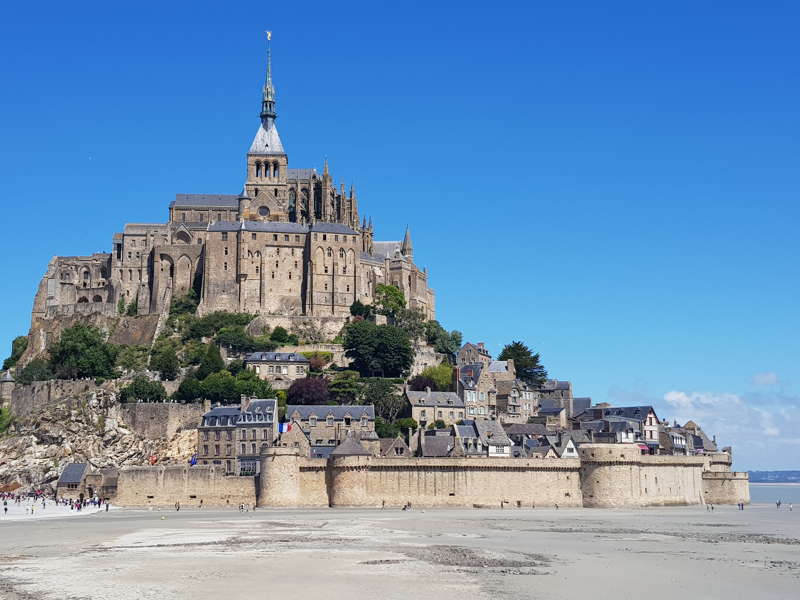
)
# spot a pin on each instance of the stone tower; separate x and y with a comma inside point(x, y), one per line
point(265, 196)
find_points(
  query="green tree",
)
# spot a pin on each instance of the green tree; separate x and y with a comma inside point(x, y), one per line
point(184, 305)
point(189, 390)
point(133, 308)
point(442, 375)
point(280, 335)
point(208, 325)
point(384, 396)
point(385, 429)
point(407, 423)
point(365, 311)
point(36, 370)
point(248, 383)
point(221, 387)
point(193, 353)
point(345, 387)
point(235, 338)
point(236, 367)
point(309, 390)
point(142, 389)
point(18, 347)
point(121, 306)
point(412, 321)
point(212, 362)
point(132, 358)
point(6, 418)
point(441, 340)
point(389, 300)
point(528, 365)
point(164, 359)
point(82, 352)
point(378, 349)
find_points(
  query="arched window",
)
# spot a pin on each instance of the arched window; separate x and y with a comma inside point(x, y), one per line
point(341, 253)
point(330, 252)
point(82, 300)
point(258, 168)
point(292, 205)
point(275, 169)
point(97, 299)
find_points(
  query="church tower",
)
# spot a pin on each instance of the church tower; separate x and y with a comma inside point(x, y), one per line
point(265, 196)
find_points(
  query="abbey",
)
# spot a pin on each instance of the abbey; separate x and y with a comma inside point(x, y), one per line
point(291, 246)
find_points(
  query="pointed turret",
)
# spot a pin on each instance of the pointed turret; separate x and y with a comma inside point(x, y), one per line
point(267, 140)
point(407, 248)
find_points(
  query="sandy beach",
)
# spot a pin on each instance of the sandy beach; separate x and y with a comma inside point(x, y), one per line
point(441, 554)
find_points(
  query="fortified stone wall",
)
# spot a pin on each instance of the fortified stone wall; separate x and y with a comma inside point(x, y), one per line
point(726, 488)
point(616, 475)
point(27, 400)
point(161, 421)
point(164, 486)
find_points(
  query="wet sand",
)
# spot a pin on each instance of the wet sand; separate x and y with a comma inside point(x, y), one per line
point(658, 553)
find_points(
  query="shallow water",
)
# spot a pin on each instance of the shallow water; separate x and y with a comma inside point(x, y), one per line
point(768, 492)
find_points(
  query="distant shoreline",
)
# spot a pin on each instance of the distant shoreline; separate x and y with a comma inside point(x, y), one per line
point(770, 483)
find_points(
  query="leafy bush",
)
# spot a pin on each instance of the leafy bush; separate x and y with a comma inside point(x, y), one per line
point(212, 323)
point(407, 423)
point(133, 308)
point(386, 429)
point(189, 390)
point(280, 335)
point(327, 357)
point(419, 383)
point(345, 387)
point(193, 352)
point(6, 418)
point(184, 305)
point(82, 352)
point(212, 362)
point(309, 390)
point(441, 375)
point(36, 370)
point(384, 395)
point(164, 359)
point(142, 389)
point(221, 387)
point(378, 349)
point(18, 347)
point(132, 358)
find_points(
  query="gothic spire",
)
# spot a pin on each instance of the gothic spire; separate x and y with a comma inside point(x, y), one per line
point(268, 95)
point(407, 249)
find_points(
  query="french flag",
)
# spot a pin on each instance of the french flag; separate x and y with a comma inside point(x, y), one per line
point(284, 427)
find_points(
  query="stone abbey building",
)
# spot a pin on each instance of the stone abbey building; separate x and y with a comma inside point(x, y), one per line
point(291, 246)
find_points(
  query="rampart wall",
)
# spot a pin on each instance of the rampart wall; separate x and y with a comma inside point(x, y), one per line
point(164, 486)
point(161, 421)
point(616, 475)
point(726, 488)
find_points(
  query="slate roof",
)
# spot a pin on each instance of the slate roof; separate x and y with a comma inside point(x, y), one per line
point(206, 200)
point(291, 357)
point(580, 404)
point(350, 447)
point(258, 226)
point(386, 249)
point(504, 386)
point(142, 228)
point(437, 445)
point(388, 443)
point(436, 399)
point(339, 412)
point(321, 451)
point(222, 416)
point(470, 374)
point(371, 258)
point(556, 410)
point(466, 431)
point(491, 433)
point(320, 227)
point(555, 384)
point(629, 412)
point(72, 473)
point(300, 173)
point(498, 366)
point(526, 429)
point(267, 140)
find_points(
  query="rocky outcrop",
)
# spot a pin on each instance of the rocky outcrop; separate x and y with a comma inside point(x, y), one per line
point(85, 426)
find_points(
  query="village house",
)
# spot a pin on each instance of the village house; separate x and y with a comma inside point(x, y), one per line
point(329, 425)
point(644, 417)
point(484, 438)
point(233, 436)
point(471, 354)
point(475, 386)
point(279, 368)
point(429, 407)
point(516, 401)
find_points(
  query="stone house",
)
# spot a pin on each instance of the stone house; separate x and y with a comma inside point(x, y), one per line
point(673, 441)
point(503, 370)
point(471, 354)
point(234, 436)
point(279, 368)
point(563, 445)
point(475, 386)
point(329, 425)
point(516, 401)
point(648, 422)
point(554, 418)
point(428, 407)
point(71, 483)
point(394, 448)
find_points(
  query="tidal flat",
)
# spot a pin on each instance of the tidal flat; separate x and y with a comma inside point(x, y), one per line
point(658, 553)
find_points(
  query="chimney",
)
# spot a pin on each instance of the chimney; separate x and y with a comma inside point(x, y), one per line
point(428, 390)
point(481, 345)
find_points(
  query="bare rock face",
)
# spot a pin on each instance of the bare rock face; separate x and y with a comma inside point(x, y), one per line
point(86, 427)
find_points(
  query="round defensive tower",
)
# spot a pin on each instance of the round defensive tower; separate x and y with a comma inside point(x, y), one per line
point(279, 484)
point(610, 475)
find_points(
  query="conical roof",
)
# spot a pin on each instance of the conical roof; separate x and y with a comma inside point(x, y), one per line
point(267, 140)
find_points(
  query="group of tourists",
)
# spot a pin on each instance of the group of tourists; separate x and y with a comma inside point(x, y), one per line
point(35, 502)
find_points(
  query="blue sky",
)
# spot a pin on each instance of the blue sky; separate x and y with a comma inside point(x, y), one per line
point(615, 184)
